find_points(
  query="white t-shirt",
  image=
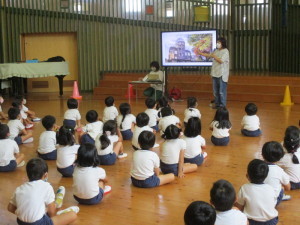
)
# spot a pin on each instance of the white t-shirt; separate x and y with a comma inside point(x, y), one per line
point(221, 69)
point(191, 112)
point(259, 201)
point(47, 142)
point(93, 129)
point(167, 121)
point(66, 155)
point(171, 151)
point(127, 122)
point(136, 133)
point(110, 113)
point(24, 108)
point(219, 132)
point(250, 123)
point(23, 114)
point(231, 217)
point(72, 114)
point(15, 127)
point(86, 181)
point(110, 148)
point(153, 116)
point(8, 148)
point(143, 164)
point(276, 178)
point(31, 199)
point(293, 170)
point(193, 146)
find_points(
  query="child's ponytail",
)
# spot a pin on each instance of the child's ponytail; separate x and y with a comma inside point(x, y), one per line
point(104, 140)
point(124, 110)
point(65, 136)
point(292, 142)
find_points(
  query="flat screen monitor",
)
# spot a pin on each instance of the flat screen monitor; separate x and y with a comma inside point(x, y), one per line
point(181, 48)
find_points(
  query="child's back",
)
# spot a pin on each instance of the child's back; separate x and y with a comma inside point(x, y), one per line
point(110, 112)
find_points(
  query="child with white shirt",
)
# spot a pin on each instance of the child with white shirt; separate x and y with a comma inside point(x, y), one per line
point(142, 121)
point(199, 212)
point(167, 119)
point(72, 116)
point(194, 142)
point(126, 121)
point(220, 127)
point(47, 145)
point(250, 122)
point(110, 112)
point(222, 196)
point(34, 201)
point(92, 129)
point(191, 110)
point(290, 162)
point(24, 118)
point(29, 113)
point(272, 152)
point(88, 179)
point(172, 153)
point(257, 199)
point(152, 113)
point(66, 151)
point(2, 114)
point(10, 157)
point(145, 164)
point(110, 144)
point(17, 130)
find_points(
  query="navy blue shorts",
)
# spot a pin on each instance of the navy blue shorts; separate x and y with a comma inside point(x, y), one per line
point(269, 222)
point(92, 201)
point(196, 160)
point(69, 123)
point(295, 185)
point(220, 141)
point(248, 133)
point(169, 168)
point(86, 138)
point(18, 139)
point(66, 172)
point(150, 182)
point(109, 159)
point(10, 167)
point(49, 156)
point(127, 134)
point(280, 196)
point(45, 220)
point(155, 128)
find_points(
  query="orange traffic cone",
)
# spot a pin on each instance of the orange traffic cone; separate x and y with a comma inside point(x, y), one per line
point(76, 92)
point(287, 97)
point(130, 92)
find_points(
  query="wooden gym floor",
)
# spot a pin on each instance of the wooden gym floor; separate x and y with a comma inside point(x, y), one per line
point(162, 205)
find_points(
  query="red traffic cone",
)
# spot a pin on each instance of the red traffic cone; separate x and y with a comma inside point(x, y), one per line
point(76, 92)
point(130, 92)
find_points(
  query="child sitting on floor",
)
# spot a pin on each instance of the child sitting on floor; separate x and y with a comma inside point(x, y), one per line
point(250, 122)
point(152, 113)
point(110, 112)
point(220, 127)
point(92, 129)
point(126, 121)
point(167, 119)
point(199, 213)
point(72, 116)
point(191, 110)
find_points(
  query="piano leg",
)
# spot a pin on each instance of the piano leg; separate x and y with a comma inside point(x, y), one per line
point(60, 83)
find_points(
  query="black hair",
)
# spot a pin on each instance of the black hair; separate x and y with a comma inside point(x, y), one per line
point(222, 116)
point(72, 103)
point(109, 101)
point(65, 136)
point(166, 111)
point(191, 102)
point(36, 169)
point(109, 126)
point(257, 171)
point(222, 195)
point(150, 103)
point(13, 113)
point(171, 132)
point(163, 102)
point(19, 98)
point(4, 130)
point(124, 110)
point(48, 122)
point(193, 127)
point(223, 42)
point(16, 103)
point(87, 156)
point(142, 119)
point(91, 116)
point(251, 109)
point(199, 213)
point(146, 140)
point(155, 64)
point(291, 141)
point(272, 151)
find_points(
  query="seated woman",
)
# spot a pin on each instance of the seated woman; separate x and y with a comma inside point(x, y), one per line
point(158, 88)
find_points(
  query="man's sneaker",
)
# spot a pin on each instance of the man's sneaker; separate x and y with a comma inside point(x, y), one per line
point(286, 197)
point(122, 155)
point(204, 155)
point(70, 209)
point(21, 164)
point(29, 140)
point(59, 197)
point(28, 126)
point(36, 119)
point(107, 189)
